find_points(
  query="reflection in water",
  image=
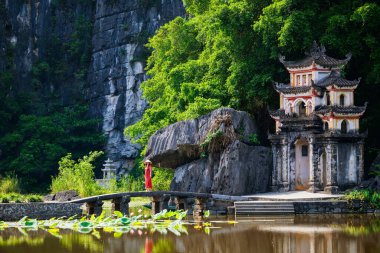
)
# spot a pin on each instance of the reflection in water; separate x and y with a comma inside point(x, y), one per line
point(148, 245)
point(296, 234)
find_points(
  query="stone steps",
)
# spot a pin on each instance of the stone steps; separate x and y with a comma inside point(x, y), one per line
point(263, 208)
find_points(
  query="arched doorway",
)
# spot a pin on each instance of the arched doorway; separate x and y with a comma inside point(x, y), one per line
point(326, 126)
point(301, 109)
point(341, 100)
point(302, 164)
point(343, 127)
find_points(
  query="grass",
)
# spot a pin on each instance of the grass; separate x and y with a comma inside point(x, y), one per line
point(19, 198)
point(9, 184)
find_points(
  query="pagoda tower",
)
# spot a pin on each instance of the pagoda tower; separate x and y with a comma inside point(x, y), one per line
point(317, 145)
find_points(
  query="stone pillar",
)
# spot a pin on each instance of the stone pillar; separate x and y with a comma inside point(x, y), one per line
point(332, 168)
point(275, 168)
point(313, 160)
point(360, 160)
point(121, 204)
point(156, 205)
point(164, 202)
point(198, 210)
point(95, 207)
point(285, 167)
point(180, 203)
point(279, 167)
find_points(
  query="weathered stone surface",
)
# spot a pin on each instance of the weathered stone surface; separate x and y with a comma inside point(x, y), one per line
point(121, 29)
point(240, 169)
point(178, 144)
point(14, 212)
point(372, 183)
point(62, 196)
point(329, 207)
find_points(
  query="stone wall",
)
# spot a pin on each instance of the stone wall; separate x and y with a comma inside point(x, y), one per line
point(42, 211)
point(330, 207)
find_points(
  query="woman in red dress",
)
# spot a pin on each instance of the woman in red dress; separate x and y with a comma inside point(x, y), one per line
point(148, 175)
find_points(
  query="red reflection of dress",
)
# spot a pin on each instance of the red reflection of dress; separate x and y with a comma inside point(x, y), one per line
point(148, 177)
point(148, 245)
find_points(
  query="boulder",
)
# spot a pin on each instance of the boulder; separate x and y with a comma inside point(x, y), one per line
point(240, 169)
point(62, 196)
point(179, 144)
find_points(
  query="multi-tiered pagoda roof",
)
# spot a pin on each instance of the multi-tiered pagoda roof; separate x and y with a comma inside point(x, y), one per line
point(318, 56)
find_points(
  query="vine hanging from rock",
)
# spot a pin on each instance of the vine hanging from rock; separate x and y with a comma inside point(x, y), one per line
point(220, 134)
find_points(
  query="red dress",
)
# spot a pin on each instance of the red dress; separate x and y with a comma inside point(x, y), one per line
point(148, 176)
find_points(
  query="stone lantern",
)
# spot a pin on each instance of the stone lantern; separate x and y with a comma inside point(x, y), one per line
point(109, 173)
point(109, 170)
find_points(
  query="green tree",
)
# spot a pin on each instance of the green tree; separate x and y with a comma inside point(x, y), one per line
point(33, 148)
point(225, 53)
point(78, 175)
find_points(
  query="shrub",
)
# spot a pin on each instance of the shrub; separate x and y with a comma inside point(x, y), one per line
point(34, 198)
point(77, 176)
point(161, 179)
point(373, 198)
point(9, 184)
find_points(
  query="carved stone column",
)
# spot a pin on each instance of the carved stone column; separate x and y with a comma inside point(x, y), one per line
point(313, 164)
point(360, 161)
point(285, 167)
point(332, 167)
point(121, 204)
point(274, 169)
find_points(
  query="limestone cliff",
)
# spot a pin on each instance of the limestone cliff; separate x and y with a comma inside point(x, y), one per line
point(120, 31)
point(37, 33)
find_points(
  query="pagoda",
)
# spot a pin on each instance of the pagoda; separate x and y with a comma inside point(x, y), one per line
point(317, 145)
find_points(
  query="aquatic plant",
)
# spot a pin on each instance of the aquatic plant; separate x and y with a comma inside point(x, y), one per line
point(118, 224)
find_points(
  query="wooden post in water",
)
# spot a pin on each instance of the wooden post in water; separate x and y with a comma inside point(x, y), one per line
point(94, 207)
point(121, 204)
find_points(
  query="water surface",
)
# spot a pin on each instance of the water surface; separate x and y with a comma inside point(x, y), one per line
point(290, 234)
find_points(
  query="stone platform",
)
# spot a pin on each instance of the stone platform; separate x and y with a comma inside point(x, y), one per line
point(293, 196)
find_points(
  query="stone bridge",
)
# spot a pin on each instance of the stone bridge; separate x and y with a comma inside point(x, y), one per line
point(160, 200)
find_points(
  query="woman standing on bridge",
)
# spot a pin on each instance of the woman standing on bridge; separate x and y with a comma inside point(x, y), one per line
point(148, 175)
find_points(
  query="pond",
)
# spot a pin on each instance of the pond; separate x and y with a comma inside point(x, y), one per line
point(281, 234)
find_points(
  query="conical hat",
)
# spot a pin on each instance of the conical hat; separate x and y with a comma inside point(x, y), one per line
point(147, 161)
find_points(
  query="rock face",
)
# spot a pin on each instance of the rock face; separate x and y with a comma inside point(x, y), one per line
point(62, 196)
point(240, 168)
point(179, 143)
point(121, 30)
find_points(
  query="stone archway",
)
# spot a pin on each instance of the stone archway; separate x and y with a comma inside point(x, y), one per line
point(302, 164)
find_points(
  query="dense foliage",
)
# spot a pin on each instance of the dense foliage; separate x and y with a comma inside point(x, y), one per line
point(77, 175)
point(370, 197)
point(225, 53)
point(46, 118)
